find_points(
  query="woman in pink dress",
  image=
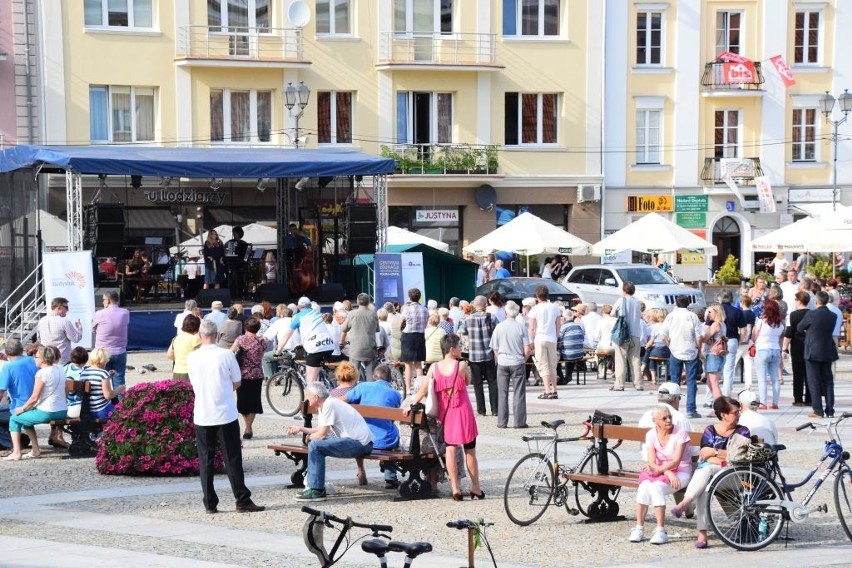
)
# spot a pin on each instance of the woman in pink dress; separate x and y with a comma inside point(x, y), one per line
point(451, 376)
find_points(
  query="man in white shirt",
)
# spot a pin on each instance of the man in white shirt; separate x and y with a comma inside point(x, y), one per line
point(215, 375)
point(545, 319)
point(670, 395)
point(788, 290)
point(188, 306)
point(683, 332)
point(627, 354)
point(758, 424)
point(590, 325)
point(216, 314)
point(340, 433)
point(511, 345)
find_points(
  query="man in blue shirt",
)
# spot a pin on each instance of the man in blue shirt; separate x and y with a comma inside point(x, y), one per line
point(378, 392)
point(17, 377)
point(501, 272)
point(571, 336)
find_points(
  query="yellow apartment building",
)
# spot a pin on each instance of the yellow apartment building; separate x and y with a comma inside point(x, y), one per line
point(491, 107)
point(693, 97)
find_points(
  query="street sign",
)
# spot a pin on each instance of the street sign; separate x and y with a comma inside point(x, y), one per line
point(691, 220)
point(691, 203)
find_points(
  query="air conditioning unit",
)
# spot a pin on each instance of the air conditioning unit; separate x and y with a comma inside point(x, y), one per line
point(588, 193)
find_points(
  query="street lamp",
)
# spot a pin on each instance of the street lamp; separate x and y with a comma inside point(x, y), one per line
point(296, 98)
point(826, 105)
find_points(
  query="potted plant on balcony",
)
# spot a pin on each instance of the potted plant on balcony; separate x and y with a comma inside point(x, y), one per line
point(454, 160)
point(491, 159)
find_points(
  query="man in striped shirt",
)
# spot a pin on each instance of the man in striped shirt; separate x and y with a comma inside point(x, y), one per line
point(414, 317)
point(478, 327)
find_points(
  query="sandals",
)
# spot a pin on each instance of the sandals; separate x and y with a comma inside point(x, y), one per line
point(362, 478)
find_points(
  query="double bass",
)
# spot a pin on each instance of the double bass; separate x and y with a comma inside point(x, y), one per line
point(303, 278)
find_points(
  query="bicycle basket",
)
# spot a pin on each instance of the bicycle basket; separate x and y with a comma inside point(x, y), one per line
point(602, 417)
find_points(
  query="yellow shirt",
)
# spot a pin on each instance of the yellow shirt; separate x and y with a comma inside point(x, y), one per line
point(184, 344)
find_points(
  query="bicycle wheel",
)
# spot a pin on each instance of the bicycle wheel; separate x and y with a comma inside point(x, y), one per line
point(398, 380)
point(529, 489)
point(737, 510)
point(843, 498)
point(285, 393)
point(589, 466)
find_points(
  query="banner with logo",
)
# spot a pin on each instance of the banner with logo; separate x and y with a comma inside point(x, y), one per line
point(764, 194)
point(783, 70)
point(69, 275)
point(396, 273)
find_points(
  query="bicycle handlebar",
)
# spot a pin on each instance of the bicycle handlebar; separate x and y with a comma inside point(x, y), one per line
point(806, 425)
point(467, 524)
point(326, 516)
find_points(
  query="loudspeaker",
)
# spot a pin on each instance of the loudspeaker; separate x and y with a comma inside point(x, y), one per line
point(362, 213)
point(207, 297)
point(99, 293)
point(273, 293)
point(103, 224)
point(361, 246)
point(328, 292)
point(362, 231)
point(104, 249)
point(105, 213)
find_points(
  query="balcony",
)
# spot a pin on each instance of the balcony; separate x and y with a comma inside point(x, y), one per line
point(215, 46)
point(742, 170)
point(732, 78)
point(443, 159)
point(465, 52)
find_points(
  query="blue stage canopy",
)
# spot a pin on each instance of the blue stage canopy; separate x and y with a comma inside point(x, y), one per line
point(195, 162)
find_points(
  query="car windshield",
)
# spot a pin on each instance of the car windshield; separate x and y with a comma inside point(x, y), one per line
point(644, 275)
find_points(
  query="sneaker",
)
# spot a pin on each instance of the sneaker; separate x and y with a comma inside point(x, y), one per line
point(637, 534)
point(693, 414)
point(660, 536)
point(708, 405)
point(311, 495)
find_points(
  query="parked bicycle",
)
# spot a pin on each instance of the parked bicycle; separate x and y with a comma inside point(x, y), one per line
point(285, 390)
point(748, 505)
point(475, 533)
point(539, 479)
point(379, 545)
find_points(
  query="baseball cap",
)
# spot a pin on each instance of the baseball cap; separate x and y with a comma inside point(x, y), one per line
point(216, 304)
point(670, 389)
point(747, 398)
point(304, 301)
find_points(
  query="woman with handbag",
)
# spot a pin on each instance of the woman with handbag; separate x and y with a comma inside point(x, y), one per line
point(794, 346)
point(767, 340)
point(715, 347)
point(668, 468)
point(249, 349)
point(712, 457)
point(450, 378)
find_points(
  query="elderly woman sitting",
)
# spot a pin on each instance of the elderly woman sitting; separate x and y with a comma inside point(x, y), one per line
point(668, 469)
point(712, 458)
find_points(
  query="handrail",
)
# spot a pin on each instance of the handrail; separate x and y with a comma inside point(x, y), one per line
point(26, 299)
point(239, 43)
point(426, 48)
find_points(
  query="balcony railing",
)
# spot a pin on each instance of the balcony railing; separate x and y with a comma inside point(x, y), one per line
point(437, 49)
point(722, 76)
point(239, 44)
point(742, 170)
point(443, 159)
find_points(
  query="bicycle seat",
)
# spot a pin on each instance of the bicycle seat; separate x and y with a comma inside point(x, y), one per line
point(375, 546)
point(553, 425)
point(778, 447)
point(411, 549)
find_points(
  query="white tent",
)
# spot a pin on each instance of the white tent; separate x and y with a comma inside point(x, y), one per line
point(830, 232)
point(653, 234)
point(527, 234)
point(259, 236)
point(399, 236)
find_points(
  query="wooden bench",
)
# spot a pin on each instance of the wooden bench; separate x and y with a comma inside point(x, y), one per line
point(604, 487)
point(412, 464)
point(80, 429)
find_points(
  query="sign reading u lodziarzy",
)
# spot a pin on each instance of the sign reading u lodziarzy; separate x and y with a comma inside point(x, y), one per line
point(161, 195)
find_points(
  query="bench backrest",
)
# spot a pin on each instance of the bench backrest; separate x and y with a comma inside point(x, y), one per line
point(414, 418)
point(634, 433)
point(78, 387)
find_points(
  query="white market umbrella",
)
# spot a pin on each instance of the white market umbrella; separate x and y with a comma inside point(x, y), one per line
point(811, 234)
point(527, 234)
point(653, 234)
point(399, 236)
point(260, 236)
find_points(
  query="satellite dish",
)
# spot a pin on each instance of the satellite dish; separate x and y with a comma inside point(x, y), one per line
point(299, 13)
point(485, 197)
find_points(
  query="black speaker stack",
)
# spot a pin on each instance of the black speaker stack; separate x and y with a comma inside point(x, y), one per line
point(361, 229)
point(103, 229)
point(207, 297)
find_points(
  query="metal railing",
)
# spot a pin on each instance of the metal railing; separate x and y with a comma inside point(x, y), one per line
point(437, 49)
point(24, 306)
point(749, 169)
point(443, 159)
point(239, 43)
point(718, 77)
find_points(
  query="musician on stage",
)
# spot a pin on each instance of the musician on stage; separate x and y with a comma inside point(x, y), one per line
point(296, 245)
point(214, 267)
point(236, 262)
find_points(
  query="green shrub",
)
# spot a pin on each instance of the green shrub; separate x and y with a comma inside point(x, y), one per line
point(730, 272)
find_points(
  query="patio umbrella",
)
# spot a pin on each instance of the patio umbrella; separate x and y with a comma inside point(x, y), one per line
point(399, 236)
point(829, 232)
point(653, 234)
point(527, 234)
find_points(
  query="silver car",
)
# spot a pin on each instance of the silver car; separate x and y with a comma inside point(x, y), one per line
point(602, 283)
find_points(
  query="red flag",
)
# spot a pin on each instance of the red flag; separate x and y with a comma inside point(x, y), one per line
point(739, 73)
point(783, 70)
point(732, 57)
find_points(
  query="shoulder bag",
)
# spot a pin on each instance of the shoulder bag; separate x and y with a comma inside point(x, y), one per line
point(620, 331)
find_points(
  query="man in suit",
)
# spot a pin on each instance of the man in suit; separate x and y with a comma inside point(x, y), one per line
point(820, 353)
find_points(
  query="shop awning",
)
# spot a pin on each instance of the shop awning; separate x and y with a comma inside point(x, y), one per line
point(195, 162)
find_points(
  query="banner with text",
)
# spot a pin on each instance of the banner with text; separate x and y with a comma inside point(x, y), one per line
point(69, 275)
point(765, 194)
point(395, 274)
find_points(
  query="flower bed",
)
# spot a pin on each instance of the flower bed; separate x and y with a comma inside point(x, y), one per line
point(151, 433)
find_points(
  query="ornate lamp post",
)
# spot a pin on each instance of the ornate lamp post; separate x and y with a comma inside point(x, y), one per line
point(826, 105)
point(296, 99)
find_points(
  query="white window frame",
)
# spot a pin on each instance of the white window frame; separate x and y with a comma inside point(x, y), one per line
point(131, 24)
point(226, 117)
point(807, 9)
point(803, 144)
point(738, 150)
point(649, 10)
point(646, 106)
point(540, 35)
point(433, 116)
point(409, 18)
point(110, 90)
point(332, 6)
point(727, 30)
point(539, 120)
point(333, 116)
point(252, 18)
